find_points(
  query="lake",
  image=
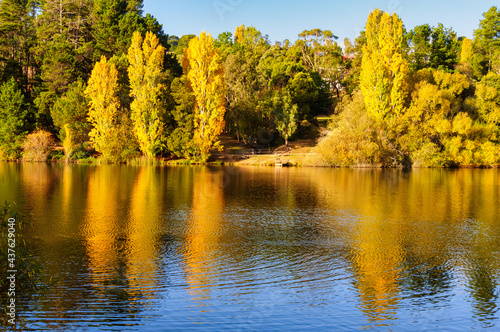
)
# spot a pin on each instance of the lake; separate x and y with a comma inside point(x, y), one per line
point(260, 248)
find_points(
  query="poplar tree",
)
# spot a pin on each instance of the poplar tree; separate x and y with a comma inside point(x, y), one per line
point(383, 67)
point(466, 58)
point(147, 86)
point(206, 77)
point(466, 52)
point(102, 91)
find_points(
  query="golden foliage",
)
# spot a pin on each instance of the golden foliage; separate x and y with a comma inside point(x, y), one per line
point(383, 68)
point(147, 86)
point(352, 140)
point(466, 52)
point(488, 98)
point(104, 104)
point(206, 78)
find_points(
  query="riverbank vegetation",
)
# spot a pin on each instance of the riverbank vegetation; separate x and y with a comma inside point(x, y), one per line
point(20, 280)
point(101, 79)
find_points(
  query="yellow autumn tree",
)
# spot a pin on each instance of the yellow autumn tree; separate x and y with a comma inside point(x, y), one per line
point(384, 68)
point(146, 87)
point(466, 56)
point(104, 104)
point(466, 52)
point(206, 77)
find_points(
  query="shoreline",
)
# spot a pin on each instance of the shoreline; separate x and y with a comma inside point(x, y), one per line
point(292, 160)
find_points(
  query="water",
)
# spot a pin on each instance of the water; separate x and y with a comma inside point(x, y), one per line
point(259, 248)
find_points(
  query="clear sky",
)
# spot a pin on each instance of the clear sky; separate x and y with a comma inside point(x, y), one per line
point(285, 19)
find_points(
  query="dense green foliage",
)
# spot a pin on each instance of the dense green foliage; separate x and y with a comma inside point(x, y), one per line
point(12, 119)
point(423, 97)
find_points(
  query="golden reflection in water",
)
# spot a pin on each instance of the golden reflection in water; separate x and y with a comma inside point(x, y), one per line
point(101, 221)
point(67, 187)
point(376, 234)
point(480, 266)
point(377, 260)
point(40, 181)
point(145, 215)
point(205, 229)
point(9, 179)
point(434, 215)
point(482, 283)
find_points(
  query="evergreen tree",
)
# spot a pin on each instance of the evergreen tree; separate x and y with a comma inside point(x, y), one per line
point(432, 47)
point(444, 48)
point(17, 41)
point(12, 119)
point(70, 114)
point(487, 37)
point(63, 32)
point(419, 41)
point(114, 23)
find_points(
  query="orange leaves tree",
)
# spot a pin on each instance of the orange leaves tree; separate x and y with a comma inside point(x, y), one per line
point(104, 104)
point(147, 88)
point(203, 64)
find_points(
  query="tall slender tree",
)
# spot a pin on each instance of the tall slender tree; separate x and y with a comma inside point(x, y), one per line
point(147, 83)
point(384, 69)
point(104, 104)
point(206, 77)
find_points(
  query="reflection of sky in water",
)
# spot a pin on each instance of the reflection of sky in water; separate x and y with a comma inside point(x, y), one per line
point(261, 248)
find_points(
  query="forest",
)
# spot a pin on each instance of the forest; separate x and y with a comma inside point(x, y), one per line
point(100, 78)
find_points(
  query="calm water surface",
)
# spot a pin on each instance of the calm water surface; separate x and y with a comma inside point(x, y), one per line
point(243, 249)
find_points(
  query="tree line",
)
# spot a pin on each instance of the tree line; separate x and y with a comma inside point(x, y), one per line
point(103, 76)
point(421, 98)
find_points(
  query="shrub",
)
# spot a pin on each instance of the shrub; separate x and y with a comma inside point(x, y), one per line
point(82, 151)
point(37, 146)
point(56, 155)
point(490, 154)
point(352, 140)
point(429, 155)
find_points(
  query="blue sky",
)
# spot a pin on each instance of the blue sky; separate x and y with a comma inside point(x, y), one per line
point(285, 19)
